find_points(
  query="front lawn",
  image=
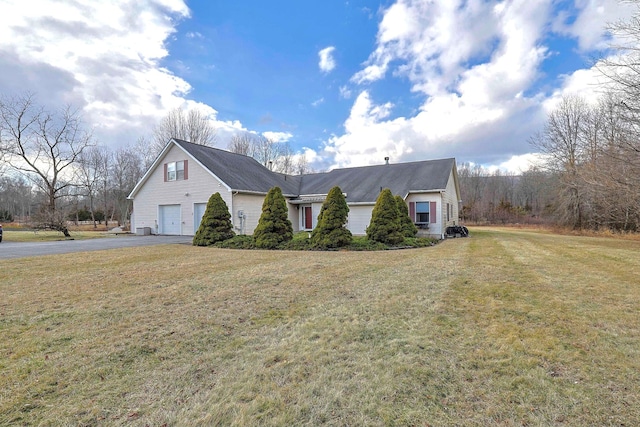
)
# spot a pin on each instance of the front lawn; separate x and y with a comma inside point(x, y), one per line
point(509, 328)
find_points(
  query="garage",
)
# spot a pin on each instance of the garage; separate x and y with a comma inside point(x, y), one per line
point(170, 219)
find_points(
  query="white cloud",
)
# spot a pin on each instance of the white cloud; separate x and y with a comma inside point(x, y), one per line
point(345, 92)
point(587, 22)
point(327, 62)
point(278, 136)
point(432, 40)
point(476, 63)
point(317, 102)
point(519, 164)
point(472, 60)
point(103, 57)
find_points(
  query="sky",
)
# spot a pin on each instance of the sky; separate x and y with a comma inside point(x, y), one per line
point(347, 83)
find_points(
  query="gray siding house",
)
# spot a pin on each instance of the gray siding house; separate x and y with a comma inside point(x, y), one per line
point(171, 197)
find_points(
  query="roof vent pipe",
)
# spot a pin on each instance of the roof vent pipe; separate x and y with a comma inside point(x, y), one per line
point(386, 160)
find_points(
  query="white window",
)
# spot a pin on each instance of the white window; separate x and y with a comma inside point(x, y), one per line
point(175, 171)
point(422, 212)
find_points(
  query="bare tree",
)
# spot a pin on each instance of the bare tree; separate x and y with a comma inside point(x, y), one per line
point(302, 165)
point(561, 142)
point(622, 73)
point(91, 175)
point(266, 151)
point(193, 126)
point(44, 146)
point(126, 170)
point(272, 154)
point(16, 196)
point(241, 144)
point(284, 163)
point(623, 69)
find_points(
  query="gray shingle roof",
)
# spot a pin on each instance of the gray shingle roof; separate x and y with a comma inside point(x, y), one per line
point(241, 172)
point(361, 184)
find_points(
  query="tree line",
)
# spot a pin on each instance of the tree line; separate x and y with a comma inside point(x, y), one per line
point(53, 170)
point(588, 176)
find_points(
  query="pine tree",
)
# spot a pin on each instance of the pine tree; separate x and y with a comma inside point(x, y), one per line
point(330, 232)
point(274, 226)
point(385, 224)
point(216, 223)
point(408, 228)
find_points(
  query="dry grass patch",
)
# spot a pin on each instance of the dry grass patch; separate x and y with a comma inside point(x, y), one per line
point(507, 328)
point(13, 235)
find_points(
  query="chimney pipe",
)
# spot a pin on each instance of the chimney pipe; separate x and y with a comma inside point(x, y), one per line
point(386, 160)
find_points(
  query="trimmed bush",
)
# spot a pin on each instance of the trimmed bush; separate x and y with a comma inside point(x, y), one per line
point(385, 224)
point(216, 223)
point(407, 227)
point(274, 226)
point(330, 232)
point(237, 242)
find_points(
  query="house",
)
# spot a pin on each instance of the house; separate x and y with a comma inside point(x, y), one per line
point(172, 196)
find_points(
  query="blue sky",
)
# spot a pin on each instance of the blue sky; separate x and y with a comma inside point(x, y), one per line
point(344, 82)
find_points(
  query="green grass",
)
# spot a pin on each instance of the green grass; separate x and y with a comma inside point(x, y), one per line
point(508, 328)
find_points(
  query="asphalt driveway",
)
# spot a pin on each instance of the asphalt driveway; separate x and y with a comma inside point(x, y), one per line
point(10, 250)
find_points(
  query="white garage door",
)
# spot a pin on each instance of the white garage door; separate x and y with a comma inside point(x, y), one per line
point(359, 218)
point(170, 219)
point(198, 213)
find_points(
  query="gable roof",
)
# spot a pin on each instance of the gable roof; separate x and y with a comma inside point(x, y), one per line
point(361, 184)
point(240, 172)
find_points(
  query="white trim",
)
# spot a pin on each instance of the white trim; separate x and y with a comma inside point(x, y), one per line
point(361, 203)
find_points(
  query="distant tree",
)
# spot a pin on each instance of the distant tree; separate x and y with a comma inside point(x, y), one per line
point(330, 232)
point(45, 147)
point(241, 144)
point(193, 126)
point(408, 228)
point(126, 170)
point(561, 142)
point(302, 165)
point(6, 216)
point(267, 151)
point(92, 175)
point(275, 155)
point(216, 223)
point(274, 226)
point(385, 224)
point(16, 195)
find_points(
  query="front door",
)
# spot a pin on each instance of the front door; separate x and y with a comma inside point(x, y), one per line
point(308, 218)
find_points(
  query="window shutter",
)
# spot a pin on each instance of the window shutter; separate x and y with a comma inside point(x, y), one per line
point(412, 211)
point(165, 172)
point(186, 170)
point(432, 213)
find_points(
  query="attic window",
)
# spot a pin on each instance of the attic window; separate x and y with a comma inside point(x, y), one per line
point(176, 171)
